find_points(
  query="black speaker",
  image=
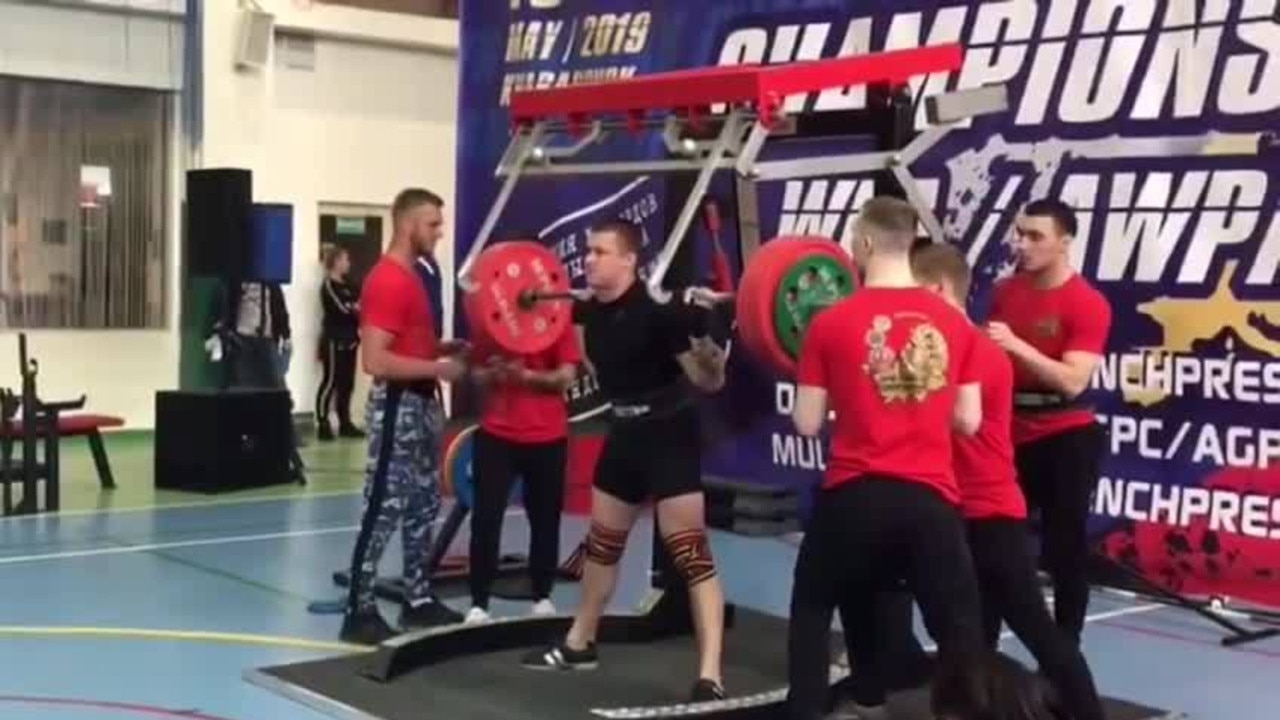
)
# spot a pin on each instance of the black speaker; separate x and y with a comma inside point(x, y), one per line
point(219, 222)
point(212, 441)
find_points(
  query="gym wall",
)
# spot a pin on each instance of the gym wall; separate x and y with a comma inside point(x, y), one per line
point(350, 109)
point(351, 106)
point(94, 44)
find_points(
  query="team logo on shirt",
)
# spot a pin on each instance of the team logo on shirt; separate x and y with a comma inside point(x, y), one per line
point(919, 369)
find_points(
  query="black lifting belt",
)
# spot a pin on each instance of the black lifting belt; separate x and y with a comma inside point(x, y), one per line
point(428, 389)
point(661, 403)
point(1033, 401)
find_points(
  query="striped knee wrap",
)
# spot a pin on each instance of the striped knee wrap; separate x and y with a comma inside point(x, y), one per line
point(691, 555)
point(605, 545)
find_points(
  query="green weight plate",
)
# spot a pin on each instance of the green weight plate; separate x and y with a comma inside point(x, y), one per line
point(813, 283)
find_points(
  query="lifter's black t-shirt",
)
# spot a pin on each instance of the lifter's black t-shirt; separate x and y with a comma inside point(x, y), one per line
point(633, 342)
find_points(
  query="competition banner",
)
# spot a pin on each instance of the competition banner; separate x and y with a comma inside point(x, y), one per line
point(1154, 119)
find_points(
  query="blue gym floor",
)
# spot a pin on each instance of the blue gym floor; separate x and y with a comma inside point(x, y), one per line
point(155, 613)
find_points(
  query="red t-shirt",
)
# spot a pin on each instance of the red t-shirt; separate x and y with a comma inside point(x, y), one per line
point(984, 461)
point(1071, 317)
point(521, 414)
point(394, 299)
point(891, 361)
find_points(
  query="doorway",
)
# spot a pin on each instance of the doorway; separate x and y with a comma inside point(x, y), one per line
point(359, 235)
point(363, 231)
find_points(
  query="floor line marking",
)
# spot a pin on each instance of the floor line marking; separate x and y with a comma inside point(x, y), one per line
point(1179, 637)
point(219, 502)
point(150, 547)
point(203, 542)
point(113, 707)
point(228, 638)
point(277, 592)
point(1094, 617)
point(1121, 612)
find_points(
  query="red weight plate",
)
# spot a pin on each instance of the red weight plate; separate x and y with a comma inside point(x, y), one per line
point(476, 328)
point(747, 292)
point(759, 287)
point(756, 336)
point(502, 274)
point(755, 299)
point(806, 247)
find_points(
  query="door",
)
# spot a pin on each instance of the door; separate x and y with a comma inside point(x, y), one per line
point(359, 235)
point(363, 231)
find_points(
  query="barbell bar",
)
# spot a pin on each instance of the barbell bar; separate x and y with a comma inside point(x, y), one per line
point(520, 301)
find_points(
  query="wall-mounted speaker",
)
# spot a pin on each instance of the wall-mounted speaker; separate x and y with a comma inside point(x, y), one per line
point(255, 32)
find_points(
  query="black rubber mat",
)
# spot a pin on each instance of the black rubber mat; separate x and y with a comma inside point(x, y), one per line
point(915, 706)
point(495, 687)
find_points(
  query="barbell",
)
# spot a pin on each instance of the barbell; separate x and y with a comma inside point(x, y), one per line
point(520, 301)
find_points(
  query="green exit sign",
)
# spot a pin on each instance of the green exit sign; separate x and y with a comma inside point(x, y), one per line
point(350, 226)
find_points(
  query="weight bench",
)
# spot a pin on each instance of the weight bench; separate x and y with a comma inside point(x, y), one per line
point(42, 424)
point(79, 425)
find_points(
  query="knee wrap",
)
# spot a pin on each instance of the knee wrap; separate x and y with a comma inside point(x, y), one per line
point(605, 545)
point(691, 554)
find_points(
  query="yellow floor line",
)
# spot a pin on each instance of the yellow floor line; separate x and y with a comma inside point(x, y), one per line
point(183, 635)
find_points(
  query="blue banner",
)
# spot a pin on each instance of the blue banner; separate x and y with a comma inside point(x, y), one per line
point(1155, 119)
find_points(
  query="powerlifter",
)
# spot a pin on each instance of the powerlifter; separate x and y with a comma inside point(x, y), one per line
point(896, 365)
point(1054, 326)
point(995, 519)
point(645, 356)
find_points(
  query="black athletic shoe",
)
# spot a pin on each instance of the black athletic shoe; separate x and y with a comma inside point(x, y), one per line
point(365, 628)
point(432, 613)
point(560, 657)
point(324, 433)
point(350, 431)
point(707, 691)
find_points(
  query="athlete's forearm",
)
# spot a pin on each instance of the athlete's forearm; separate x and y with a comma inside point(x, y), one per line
point(704, 371)
point(712, 375)
point(551, 382)
point(711, 360)
point(387, 365)
point(1057, 375)
point(484, 377)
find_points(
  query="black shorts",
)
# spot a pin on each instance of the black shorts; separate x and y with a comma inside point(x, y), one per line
point(651, 458)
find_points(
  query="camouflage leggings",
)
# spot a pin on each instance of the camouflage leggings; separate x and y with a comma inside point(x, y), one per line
point(402, 489)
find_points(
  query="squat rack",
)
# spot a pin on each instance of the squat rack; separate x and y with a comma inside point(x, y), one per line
point(680, 104)
point(552, 127)
point(698, 141)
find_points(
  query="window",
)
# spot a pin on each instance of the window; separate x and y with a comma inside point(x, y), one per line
point(431, 8)
point(84, 205)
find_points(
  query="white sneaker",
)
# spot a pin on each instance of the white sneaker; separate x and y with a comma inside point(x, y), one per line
point(543, 608)
point(476, 615)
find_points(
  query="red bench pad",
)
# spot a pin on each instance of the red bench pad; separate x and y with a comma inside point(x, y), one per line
point(77, 425)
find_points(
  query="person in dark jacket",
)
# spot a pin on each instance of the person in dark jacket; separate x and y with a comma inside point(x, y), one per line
point(252, 324)
point(339, 343)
